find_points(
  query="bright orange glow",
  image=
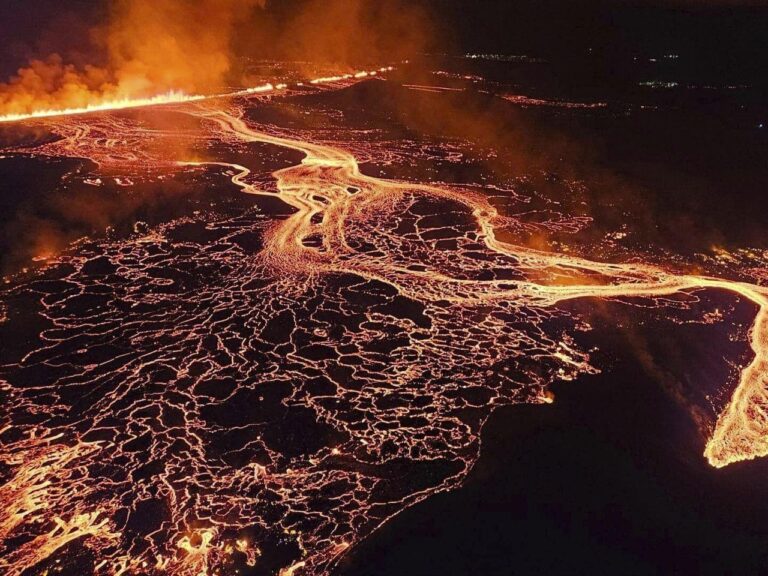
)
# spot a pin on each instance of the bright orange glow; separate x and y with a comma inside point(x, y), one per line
point(207, 344)
point(174, 97)
point(742, 429)
point(169, 98)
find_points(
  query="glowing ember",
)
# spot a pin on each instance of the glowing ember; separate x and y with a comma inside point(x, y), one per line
point(526, 101)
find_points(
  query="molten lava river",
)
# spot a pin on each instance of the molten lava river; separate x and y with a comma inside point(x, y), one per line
point(255, 392)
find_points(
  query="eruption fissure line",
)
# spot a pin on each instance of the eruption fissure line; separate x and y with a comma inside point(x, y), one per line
point(110, 105)
point(177, 97)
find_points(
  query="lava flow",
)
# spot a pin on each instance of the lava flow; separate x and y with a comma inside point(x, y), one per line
point(742, 432)
point(259, 391)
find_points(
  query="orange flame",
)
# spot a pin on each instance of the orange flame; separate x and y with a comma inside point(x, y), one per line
point(171, 97)
point(178, 97)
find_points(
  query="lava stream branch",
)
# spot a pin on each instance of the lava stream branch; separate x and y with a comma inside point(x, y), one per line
point(742, 429)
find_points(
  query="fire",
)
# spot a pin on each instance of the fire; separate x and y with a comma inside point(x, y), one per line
point(147, 51)
point(179, 97)
point(171, 97)
point(357, 75)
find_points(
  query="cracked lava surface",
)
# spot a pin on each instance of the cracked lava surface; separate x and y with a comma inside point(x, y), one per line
point(258, 401)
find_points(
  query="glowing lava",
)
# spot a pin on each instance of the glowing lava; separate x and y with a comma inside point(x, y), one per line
point(321, 186)
point(274, 393)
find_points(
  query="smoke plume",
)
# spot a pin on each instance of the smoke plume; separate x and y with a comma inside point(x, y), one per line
point(147, 46)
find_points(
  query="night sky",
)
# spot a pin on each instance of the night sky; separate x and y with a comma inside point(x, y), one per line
point(712, 30)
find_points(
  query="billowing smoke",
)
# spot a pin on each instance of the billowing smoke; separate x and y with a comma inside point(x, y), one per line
point(356, 31)
point(174, 44)
point(151, 46)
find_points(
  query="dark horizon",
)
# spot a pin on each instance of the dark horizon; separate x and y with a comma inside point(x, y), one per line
point(720, 31)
